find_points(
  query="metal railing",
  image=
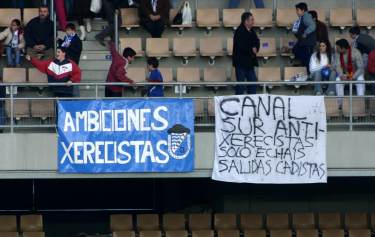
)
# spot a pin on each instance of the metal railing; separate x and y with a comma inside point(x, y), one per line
point(347, 118)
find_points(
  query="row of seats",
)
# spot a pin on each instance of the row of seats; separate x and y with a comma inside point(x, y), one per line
point(285, 17)
point(30, 226)
point(8, 14)
point(226, 221)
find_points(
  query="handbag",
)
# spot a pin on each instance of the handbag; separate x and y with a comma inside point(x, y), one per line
point(187, 18)
point(96, 6)
point(177, 20)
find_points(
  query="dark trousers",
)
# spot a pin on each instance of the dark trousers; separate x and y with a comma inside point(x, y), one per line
point(82, 10)
point(303, 53)
point(109, 12)
point(155, 28)
point(245, 75)
point(110, 93)
point(371, 77)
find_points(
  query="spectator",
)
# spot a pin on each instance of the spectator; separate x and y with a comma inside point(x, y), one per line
point(14, 42)
point(154, 76)
point(117, 71)
point(60, 12)
point(109, 7)
point(71, 43)
point(59, 70)
point(245, 47)
point(304, 30)
point(321, 28)
point(82, 12)
point(349, 66)
point(236, 3)
point(39, 34)
point(321, 67)
point(371, 71)
point(154, 16)
point(363, 42)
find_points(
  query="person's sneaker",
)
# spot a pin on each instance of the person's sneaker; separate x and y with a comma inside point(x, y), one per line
point(100, 40)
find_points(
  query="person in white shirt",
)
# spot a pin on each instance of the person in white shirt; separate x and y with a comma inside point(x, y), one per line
point(321, 67)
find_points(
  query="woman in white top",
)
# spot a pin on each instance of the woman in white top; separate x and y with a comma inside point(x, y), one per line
point(321, 67)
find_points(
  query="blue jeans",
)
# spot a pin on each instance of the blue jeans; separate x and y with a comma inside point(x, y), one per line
point(236, 3)
point(245, 75)
point(16, 53)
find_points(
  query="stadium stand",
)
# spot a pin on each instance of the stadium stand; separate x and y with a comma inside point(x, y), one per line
point(200, 221)
point(121, 222)
point(224, 221)
point(251, 221)
point(148, 224)
point(275, 221)
point(130, 18)
point(173, 222)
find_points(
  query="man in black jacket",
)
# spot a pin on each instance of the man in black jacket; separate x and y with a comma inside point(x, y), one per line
point(109, 7)
point(245, 47)
point(72, 43)
point(39, 35)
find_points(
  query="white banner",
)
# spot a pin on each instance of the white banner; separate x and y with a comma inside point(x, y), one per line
point(270, 139)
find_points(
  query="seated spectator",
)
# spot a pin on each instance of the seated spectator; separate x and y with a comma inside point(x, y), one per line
point(363, 42)
point(154, 76)
point(154, 16)
point(59, 70)
point(117, 71)
point(304, 30)
point(14, 42)
point(72, 43)
point(39, 35)
point(348, 66)
point(321, 67)
point(321, 28)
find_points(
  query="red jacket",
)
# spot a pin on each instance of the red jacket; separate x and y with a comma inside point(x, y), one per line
point(117, 72)
point(371, 62)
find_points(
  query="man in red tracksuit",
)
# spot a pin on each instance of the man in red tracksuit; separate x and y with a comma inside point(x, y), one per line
point(117, 71)
point(59, 70)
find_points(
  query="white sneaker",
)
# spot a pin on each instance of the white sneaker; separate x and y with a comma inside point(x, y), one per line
point(88, 25)
point(83, 33)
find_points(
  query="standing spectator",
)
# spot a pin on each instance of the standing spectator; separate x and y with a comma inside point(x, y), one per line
point(61, 14)
point(245, 48)
point(59, 70)
point(117, 71)
point(349, 66)
point(321, 67)
point(236, 3)
point(154, 16)
point(83, 14)
point(109, 7)
point(363, 42)
point(39, 34)
point(154, 76)
point(321, 28)
point(371, 71)
point(14, 42)
point(71, 43)
point(304, 30)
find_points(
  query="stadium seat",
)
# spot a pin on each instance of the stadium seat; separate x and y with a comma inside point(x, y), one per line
point(267, 48)
point(332, 107)
point(365, 17)
point(157, 47)
point(31, 223)
point(286, 46)
point(329, 220)
point(8, 14)
point(173, 222)
point(14, 75)
point(188, 74)
point(303, 221)
point(21, 109)
point(184, 47)
point(341, 17)
point(358, 105)
point(307, 233)
point(356, 220)
point(130, 18)
point(148, 222)
point(281, 233)
point(8, 223)
point(176, 233)
point(9, 234)
point(232, 17)
point(35, 76)
point(208, 18)
point(172, 14)
point(285, 17)
point(228, 233)
point(277, 221)
point(211, 47)
point(200, 221)
point(119, 222)
point(33, 234)
point(202, 233)
point(167, 74)
point(333, 233)
point(123, 233)
point(215, 74)
point(263, 17)
point(251, 221)
point(137, 74)
point(255, 233)
point(150, 233)
point(225, 221)
point(28, 14)
point(199, 108)
point(359, 233)
point(230, 46)
point(290, 72)
point(269, 74)
point(134, 43)
point(211, 107)
point(42, 109)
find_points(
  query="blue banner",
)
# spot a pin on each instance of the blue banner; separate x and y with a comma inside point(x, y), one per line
point(105, 136)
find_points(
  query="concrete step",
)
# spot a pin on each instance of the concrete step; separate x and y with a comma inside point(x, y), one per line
point(93, 45)
point(95, 55)
point(94, 75)
point(95, 64)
